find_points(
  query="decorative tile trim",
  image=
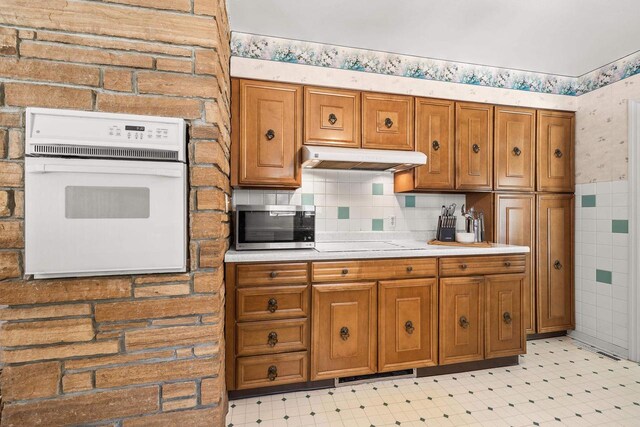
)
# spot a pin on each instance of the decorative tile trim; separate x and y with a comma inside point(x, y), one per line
point(347, 58)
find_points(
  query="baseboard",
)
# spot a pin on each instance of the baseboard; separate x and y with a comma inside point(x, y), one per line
point(600, 344)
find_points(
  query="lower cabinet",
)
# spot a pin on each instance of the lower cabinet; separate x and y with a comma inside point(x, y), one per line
point(429, 312)
point(343, 337)
point(504, 318)
point(407, 324)
point(461, 319)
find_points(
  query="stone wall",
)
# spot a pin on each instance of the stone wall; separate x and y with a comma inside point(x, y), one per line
point(128, 350)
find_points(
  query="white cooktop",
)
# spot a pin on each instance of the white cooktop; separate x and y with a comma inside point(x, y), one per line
point(370, 245)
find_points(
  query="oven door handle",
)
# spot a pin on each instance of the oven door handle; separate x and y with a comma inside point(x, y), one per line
point(282, 213)
point(169, 173)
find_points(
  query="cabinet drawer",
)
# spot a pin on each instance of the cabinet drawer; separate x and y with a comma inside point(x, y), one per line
point(271, 370)
point(479, 266)
point(277, 302)
point(275, 336)
point(373, 269)
point(271, 274)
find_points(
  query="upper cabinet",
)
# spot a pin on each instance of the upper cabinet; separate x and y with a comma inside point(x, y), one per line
point(387, 121)
point(474, 146)
point(267, 132)
point(331, 117)
point(555, 151)
point(514, 151)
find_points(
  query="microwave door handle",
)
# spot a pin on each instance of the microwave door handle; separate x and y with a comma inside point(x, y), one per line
point(169, 173)
point(285, 213)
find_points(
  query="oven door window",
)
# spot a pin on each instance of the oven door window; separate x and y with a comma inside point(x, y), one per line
point(106, 202)
point(275, 227)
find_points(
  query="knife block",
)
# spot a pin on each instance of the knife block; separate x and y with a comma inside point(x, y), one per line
point(446, 231)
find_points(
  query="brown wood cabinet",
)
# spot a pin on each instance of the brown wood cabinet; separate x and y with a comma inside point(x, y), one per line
point(514, 151)
point(404, 268)
point(474, 146)
point(344, 333)
point(555, 295)
point(461, 320)
point(387, 121)
point(266, 134)
point(407, 324)
point(332, 117)
point(272, 370)
point(504, 331)
point(555, 151)
point(515, 220)
point(434, 136)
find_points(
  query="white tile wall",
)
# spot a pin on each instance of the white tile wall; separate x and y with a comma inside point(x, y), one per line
point(354, 190)
point(601, 308)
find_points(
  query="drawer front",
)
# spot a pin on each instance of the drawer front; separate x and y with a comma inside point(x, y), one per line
point(270, 337)
point(479, 266)
point(271, 370)
point(277, 302)
point(402, 268)
point(271, 274)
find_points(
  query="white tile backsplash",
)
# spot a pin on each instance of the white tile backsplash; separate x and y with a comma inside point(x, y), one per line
point(371, 215)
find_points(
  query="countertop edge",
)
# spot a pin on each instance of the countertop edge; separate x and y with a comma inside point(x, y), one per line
point(233, 256)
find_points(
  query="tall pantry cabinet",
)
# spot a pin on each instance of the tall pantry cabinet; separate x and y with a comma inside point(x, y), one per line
point(539, 216)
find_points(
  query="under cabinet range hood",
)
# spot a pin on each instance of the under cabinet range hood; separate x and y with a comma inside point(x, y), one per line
point(360, 159)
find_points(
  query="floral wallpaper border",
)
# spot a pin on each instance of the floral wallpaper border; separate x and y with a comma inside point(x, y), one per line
point(346, 58)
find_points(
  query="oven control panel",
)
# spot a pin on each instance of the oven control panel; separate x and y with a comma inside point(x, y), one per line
point(138, 133)
point(105, 130)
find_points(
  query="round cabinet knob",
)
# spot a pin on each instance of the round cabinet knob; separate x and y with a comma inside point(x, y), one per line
point(344, 333)
point(272, 339)
point(476, 148)
point(345, 271)
point(272, 373)
point(506, 317)
point(557, 265)
point(464, 323)
point(517, 151)
point(435, 145)
point(463, 266)
point(332, 119)
point(507, 264)
point(408, 326)
point(388, 123)
point(273, 274)
point(557, 153)
point(270, 134)
point(272, 305)
point(409, 269)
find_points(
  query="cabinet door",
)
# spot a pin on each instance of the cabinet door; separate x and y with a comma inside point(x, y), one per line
point(387, 121)
point(461, 320)
point(555, 151)
point(343, 337)
point(331, 117)
point(503, 319)
point(474, 146)
point(555, 294)
point(407, 324)
point(515, 225)
point(434, 137)
point(514, 156)
point(270, 134)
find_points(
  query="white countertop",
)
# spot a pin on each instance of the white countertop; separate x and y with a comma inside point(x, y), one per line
point(368, 250)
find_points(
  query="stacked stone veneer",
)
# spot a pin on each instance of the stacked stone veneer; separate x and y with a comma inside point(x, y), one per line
point(126, 350)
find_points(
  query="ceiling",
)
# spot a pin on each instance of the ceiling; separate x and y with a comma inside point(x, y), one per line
point(563, 37)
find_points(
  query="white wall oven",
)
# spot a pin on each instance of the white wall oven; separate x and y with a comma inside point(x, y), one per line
point(104, 194)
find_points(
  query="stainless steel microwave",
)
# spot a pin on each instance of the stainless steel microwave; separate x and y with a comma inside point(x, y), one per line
point(274, 227)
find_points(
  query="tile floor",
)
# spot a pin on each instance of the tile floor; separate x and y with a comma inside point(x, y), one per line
point(559, 382)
